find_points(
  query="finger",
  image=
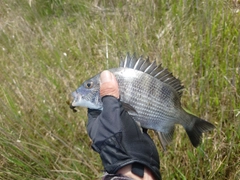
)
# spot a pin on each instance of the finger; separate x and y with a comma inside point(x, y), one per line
point(108, 84)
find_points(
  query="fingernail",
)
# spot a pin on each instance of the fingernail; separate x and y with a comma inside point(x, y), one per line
point(105, 76)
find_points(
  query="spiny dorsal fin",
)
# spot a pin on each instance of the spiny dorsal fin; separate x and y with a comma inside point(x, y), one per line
point(133, 61)
point(145, 65)
point(127, 61)
point(121, 62)
point(139, 63)
point(153, 69)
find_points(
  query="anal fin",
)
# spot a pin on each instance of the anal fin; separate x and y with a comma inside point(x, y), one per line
point(165, 138)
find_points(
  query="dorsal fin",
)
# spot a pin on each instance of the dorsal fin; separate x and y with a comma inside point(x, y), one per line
point(145, 65)
point(152, 69)
point(127, 61)
point(139, 63)
point(133, 61)
point(121, 62)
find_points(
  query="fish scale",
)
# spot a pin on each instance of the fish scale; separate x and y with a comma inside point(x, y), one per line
point(151, 95)
point(155, 103)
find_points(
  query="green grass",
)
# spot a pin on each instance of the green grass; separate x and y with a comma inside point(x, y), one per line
point(48, 48)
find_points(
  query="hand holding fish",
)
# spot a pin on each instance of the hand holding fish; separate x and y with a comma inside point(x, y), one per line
point(125, 150)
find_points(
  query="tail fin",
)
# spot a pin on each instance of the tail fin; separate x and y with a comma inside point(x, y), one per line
point(196, 127)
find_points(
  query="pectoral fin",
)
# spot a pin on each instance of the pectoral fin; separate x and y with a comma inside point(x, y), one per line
point(128, 107)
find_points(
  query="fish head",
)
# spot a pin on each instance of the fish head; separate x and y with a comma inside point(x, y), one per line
point(87, 95)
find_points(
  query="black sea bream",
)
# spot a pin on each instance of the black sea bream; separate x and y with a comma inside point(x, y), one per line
point(151, 95)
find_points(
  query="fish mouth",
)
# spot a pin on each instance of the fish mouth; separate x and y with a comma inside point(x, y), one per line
point(73, 98)
point(73, 108)
point(78, 99)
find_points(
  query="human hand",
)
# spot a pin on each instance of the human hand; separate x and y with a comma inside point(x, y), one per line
point(123, 147)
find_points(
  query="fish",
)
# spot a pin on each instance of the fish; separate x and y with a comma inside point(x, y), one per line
point(152, 97)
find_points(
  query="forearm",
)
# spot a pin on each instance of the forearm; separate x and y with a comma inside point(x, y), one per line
point(127, 171)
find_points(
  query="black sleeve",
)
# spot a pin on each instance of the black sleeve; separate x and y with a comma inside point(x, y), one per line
point(119, 140)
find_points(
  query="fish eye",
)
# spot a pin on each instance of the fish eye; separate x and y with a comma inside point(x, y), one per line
point(89, 85)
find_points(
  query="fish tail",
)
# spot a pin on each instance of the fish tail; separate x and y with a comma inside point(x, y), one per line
point(195, 127)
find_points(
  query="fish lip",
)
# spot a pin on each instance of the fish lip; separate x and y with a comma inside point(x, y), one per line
point(75, 98)
point(73, 108)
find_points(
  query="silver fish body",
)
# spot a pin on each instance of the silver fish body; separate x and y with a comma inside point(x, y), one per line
point(153, 93)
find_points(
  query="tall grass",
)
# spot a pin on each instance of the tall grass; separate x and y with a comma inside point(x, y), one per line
point(48, 48)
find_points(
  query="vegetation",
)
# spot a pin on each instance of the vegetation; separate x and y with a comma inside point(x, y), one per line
point(49, 47)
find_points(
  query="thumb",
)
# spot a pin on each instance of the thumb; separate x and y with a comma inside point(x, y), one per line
point(108, 84)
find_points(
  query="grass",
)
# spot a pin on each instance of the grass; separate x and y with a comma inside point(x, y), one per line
point(48, 48)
